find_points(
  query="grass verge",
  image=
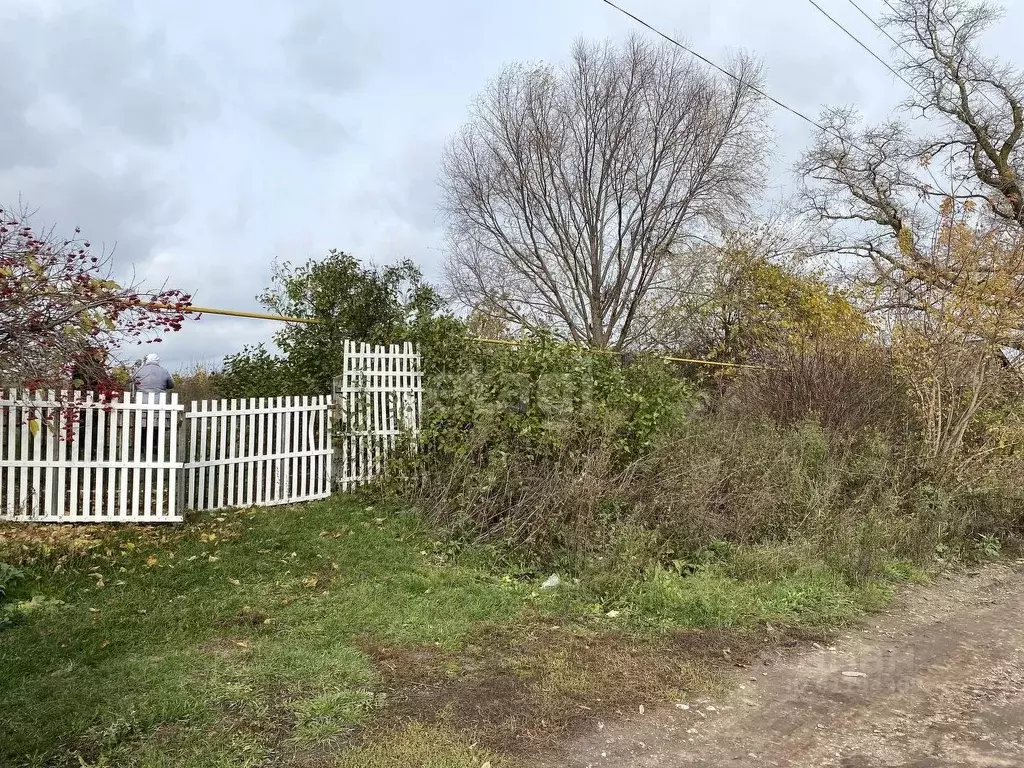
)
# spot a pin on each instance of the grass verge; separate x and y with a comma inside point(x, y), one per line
point(334, 634)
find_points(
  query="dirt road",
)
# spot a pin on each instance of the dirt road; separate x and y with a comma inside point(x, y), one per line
point(936, 682)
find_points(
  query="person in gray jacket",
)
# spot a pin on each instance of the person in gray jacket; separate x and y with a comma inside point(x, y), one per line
point(151, 378)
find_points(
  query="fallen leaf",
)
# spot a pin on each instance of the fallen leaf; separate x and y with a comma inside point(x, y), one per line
point(152, 560)
point(104, 644)
point(94, 610)
point(236, 582)
point(242, 643)
point(309, 581)
point(854, 674)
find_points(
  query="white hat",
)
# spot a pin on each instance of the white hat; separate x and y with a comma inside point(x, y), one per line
point(152, 358)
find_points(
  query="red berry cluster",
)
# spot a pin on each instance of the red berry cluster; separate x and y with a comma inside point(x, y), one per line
point(61, 312)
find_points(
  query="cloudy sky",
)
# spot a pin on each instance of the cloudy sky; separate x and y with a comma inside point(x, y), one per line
point(205, 139)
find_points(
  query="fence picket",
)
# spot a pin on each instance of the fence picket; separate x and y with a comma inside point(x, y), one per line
point(191, 474)
point(199, 452)
point(124, 488)
point(173, 472)
point(6, 454)
point(261, 428)
point(161, 436)
point(101, 487)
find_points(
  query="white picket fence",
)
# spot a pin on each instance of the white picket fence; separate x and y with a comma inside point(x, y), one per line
point(120, 462)
point(136, 460)
point(378, 397)
point(258, 452)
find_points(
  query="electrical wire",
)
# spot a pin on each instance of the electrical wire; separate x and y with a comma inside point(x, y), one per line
point(904, 48)
point(718, 68)
point(863, 45)
point(884, 161)
point(883, 30)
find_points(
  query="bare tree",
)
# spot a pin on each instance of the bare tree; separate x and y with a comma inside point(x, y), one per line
point(570, 189)
point(893, 185)
point(980, 97)
point(897, 216)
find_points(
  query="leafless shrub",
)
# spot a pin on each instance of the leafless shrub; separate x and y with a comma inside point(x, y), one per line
point(849, 386)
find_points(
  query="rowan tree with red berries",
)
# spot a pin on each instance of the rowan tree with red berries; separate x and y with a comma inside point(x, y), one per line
point(63, 318)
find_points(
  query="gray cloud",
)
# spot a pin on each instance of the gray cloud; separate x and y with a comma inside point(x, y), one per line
point(132, 83)
point(112, 75)
point(307, 127)
point(94, 98)
point(323, 50)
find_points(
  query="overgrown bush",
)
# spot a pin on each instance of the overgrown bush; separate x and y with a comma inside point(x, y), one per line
point(847, 384)
point(527, 443)
point(256, 372)
point(575, 460)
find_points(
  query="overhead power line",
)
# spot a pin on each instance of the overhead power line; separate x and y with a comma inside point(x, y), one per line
point(718, 68)
point(956, 125)
point(882, 29)
point(882, 161)
point(863, 45)
point(755, 89)
point(904, 48)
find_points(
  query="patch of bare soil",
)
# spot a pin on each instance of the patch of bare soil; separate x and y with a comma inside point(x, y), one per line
point(935, 682)
point(519, 693)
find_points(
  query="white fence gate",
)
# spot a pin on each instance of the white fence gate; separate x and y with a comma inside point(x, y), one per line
point(136, 460)
point(120, 463)
point(258, 452)
point(378, 397)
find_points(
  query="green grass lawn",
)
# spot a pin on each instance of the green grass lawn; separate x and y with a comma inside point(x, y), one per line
point(335, 634)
